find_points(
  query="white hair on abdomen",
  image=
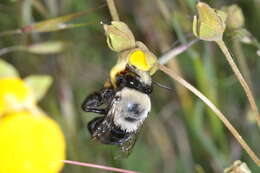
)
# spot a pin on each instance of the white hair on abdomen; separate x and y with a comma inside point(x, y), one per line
point(120, 109)
point(129, 126)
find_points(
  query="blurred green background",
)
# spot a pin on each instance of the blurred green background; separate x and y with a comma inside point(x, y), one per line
point(181, 134)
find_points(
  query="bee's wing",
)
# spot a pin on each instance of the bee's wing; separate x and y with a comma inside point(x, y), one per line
point(103, 130)
point(127, 147)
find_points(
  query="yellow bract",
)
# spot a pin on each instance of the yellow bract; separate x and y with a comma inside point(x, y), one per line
point(14, 95)
point(139, 60)
point(30, 144)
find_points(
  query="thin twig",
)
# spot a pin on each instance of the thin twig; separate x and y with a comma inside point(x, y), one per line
point(242, 81)
point(112, 9)
point(97, 166)
point(174, 52)
point(220, 115)
point(11, 32)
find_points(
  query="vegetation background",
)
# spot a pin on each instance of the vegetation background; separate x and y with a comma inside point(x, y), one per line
point(181, 135)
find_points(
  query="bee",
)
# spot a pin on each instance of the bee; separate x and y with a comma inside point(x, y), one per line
point(123, 107)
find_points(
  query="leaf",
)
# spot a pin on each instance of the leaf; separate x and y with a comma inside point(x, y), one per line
point(49, 47)
point(39, 84)
point(46, 47)
point(7, 70)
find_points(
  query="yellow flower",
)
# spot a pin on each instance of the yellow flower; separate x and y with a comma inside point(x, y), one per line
point(138, 59)
point(14, 95)
point(30, 144)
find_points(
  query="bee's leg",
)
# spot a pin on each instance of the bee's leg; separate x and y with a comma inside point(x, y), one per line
point(93, 124)
point(92, 103)
point(95, 100)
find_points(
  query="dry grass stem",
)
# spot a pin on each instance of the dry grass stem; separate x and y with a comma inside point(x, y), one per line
point(112, 9)
point(175, 51)
point(97, 166)
point(242, 81)
point(220, 115)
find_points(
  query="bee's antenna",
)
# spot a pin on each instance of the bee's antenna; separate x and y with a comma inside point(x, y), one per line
point(162, 86)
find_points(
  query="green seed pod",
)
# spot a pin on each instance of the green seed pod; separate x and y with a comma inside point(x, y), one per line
point(119, 36)
point(235, 17)
point(210, 23)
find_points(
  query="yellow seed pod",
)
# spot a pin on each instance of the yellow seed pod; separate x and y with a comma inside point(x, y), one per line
point(14, 95)
point(30, 144)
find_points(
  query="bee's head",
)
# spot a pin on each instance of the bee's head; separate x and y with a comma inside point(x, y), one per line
point(130, 108)
point(135, 79)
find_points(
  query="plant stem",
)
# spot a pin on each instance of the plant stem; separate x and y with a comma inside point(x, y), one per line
point(165, 58)
point(238, 51)
point(202, 79)
point(242, 81)
point(10, 49)
point(220, 115)
point(97, 166)
point(10, 32)
point(112, 9)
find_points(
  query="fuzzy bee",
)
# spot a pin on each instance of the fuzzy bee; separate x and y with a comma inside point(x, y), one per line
point(125, 102)
point(123, 107)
